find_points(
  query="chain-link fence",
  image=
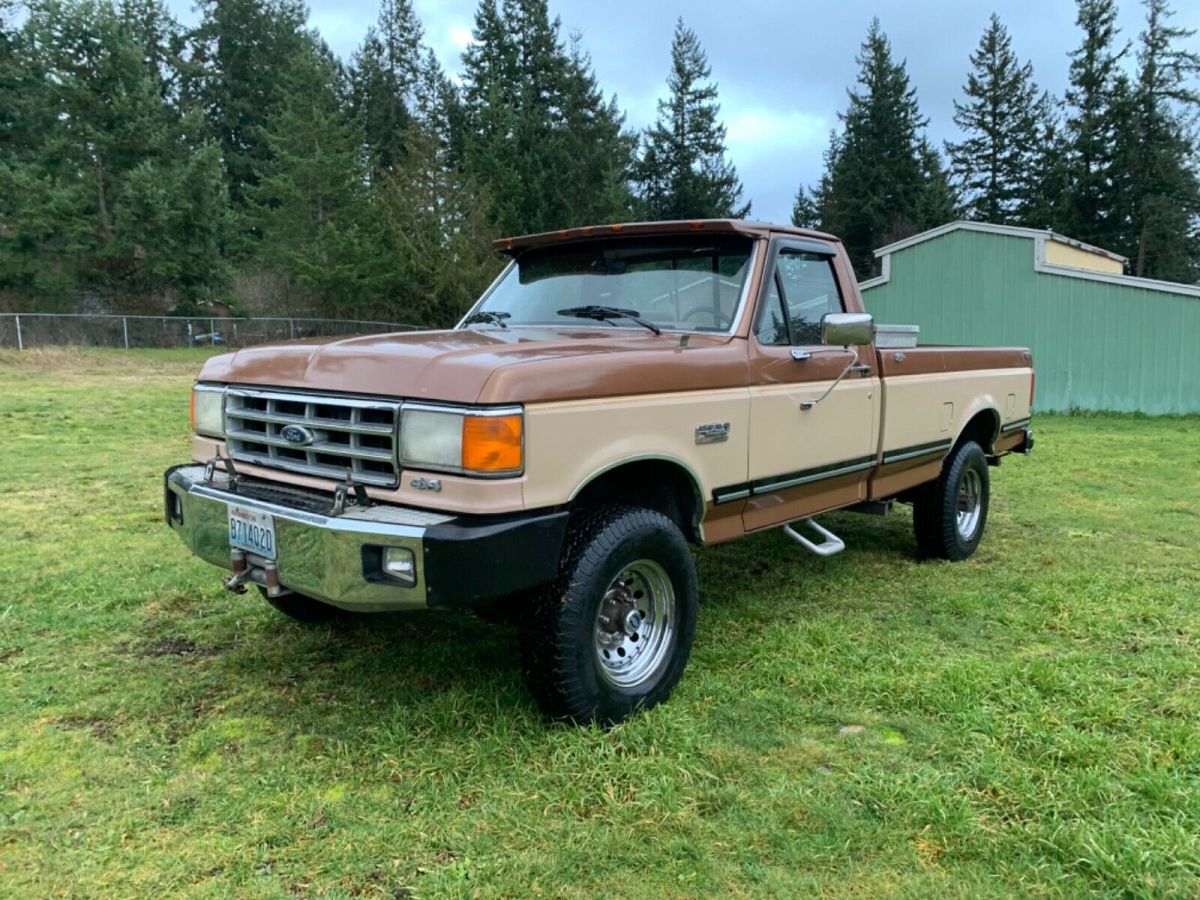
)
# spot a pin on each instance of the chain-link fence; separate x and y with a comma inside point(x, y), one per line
point(25, 330)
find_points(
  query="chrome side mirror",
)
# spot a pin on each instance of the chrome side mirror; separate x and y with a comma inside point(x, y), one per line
point(847, 329)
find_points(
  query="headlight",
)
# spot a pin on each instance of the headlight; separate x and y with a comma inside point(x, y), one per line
point(460, 441)
point(208, 410)
point(431, 439)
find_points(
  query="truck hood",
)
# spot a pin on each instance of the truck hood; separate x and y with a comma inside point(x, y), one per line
point(515, 365)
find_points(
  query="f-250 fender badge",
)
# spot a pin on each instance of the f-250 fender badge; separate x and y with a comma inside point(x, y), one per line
point(427, 484)
point(712, 433)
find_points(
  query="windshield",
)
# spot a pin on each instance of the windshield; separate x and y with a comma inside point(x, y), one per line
point(686, 284)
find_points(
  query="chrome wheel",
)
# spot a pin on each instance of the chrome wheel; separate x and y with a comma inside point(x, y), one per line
point(635, 625)
point(970, 503)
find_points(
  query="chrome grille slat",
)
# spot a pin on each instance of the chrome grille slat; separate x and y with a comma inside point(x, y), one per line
point(315, 422)
point(319, 447)
point(255, 419)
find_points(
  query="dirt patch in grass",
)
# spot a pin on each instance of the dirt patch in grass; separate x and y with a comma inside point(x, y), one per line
point(174, 646)
point(100, 727)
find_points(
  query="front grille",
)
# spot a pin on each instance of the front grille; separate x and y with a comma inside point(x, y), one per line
point(348, 435)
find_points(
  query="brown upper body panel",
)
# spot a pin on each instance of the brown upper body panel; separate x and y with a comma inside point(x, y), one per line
point(494, 365)
point(934, 359)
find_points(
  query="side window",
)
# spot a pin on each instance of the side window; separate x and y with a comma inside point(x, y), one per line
point(809, 292)
point(772, 324)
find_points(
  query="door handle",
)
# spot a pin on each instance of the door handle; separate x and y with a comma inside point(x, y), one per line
point(800, 355)
point(862, 369)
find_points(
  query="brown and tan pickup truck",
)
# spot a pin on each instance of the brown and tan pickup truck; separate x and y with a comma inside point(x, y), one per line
point(618, 393)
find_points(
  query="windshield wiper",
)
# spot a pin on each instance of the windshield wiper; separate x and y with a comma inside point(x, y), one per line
point(604, 313)
point(486, 315)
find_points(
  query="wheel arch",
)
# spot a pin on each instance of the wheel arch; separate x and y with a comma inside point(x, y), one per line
point(655, 481)
point(983, 426)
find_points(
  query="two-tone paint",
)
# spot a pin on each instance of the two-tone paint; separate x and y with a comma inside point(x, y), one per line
point(597, 398)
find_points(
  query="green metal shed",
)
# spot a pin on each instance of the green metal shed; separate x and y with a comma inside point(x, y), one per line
point(1101, 340)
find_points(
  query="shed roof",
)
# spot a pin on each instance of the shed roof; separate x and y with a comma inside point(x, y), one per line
point(1009, 230)
point(1040, 238)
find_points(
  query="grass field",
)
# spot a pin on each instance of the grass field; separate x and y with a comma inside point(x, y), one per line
point(1027, 722)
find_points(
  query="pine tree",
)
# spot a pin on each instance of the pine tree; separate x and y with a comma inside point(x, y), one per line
point(172, 218)
point(882, 181)
point(308, 199)
point(539, 136)
point(24, 115)
point(430, 223)
point(811, 208)
point(383, 76)
point(492, 109)
point(240, 53)
point(598, 152)
point(1048, 185)
point(1090, 212)
point(937, 201)
point(148, 25)
point(112, 190)
point(806, 213)
point(683, 172)
point(993, 163)
point(1163, 189)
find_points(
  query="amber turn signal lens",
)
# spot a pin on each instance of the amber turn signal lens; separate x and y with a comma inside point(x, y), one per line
point(192, 410)
point(492, 443)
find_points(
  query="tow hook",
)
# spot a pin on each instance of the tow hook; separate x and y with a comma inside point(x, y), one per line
point(266, 575)
point(236, 582)
point(241, 573)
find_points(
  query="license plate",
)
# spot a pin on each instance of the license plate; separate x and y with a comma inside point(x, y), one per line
point(252, 530)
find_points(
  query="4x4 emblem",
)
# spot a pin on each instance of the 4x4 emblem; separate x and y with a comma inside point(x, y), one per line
point(298, 435)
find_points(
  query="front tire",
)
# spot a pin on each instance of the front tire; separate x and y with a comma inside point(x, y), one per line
point(949, 514)
point(612, 634)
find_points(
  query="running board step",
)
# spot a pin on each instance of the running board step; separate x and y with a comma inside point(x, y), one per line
point(830, 544)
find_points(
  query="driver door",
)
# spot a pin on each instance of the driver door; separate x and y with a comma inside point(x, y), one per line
point(806, 460)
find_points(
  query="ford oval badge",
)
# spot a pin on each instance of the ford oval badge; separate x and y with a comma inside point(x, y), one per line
point(298, 435)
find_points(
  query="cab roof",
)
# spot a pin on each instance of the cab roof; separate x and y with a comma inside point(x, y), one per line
point(516, 245)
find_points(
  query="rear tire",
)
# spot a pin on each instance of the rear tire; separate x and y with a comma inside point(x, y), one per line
point(302, 608)
point(949, 514)
point(612, 634)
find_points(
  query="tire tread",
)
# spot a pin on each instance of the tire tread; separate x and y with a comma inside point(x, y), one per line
point(558, 612)
point(935, 507)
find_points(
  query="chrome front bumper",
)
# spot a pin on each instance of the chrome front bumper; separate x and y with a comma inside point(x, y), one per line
point(321, 556)
point(461, 560)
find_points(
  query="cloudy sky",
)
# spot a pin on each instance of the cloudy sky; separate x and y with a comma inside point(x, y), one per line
point(782, 66)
